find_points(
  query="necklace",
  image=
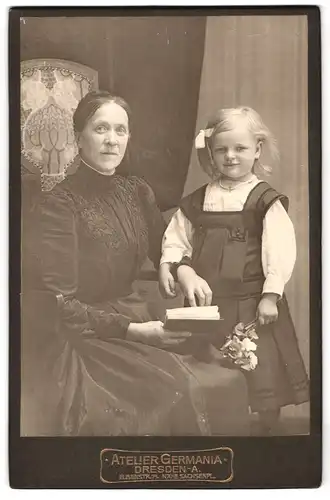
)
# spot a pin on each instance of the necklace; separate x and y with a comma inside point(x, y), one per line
point(230, 188)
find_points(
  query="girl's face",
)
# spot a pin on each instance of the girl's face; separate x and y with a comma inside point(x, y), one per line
point(103, 141)
point(234, 152)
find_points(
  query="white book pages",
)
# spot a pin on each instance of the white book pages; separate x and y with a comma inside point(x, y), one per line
point(207, 312)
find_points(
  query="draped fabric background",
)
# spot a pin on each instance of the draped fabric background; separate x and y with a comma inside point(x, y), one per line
point(174, 69)
point(261, 61)
point(155, 64)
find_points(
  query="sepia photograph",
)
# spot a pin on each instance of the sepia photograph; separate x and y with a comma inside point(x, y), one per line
point(165, 227)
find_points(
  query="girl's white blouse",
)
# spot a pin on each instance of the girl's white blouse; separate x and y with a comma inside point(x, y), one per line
point(278, 237)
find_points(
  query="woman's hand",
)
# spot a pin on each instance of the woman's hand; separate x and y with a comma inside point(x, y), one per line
point(166, 281)
point(192, 284)
point(153, 333)
point(267, 309)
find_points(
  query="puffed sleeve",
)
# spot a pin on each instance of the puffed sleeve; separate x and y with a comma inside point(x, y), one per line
point(278, 249)
point(177, 240)
point(154, 218)
point(59, 267)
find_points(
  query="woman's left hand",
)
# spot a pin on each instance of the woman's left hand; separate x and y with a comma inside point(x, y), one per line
point(154, 334)
point(267, 309)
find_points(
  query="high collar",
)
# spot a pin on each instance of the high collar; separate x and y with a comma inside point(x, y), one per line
point(91, 180)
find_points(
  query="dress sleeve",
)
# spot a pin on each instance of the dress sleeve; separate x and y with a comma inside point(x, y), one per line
point(177, 240)
point(59, 268)
point(278, 249)
point(154, 218)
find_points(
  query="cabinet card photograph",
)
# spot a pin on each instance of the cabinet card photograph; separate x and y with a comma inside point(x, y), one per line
point(165, 260)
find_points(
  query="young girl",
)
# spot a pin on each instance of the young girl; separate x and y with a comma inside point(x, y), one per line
point(232, 243)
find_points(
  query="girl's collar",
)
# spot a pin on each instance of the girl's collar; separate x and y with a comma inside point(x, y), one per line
point(235, 185)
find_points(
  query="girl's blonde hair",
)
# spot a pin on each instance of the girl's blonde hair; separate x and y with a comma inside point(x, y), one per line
point(226, 119)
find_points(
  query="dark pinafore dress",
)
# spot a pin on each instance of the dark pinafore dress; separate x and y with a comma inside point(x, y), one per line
point(227, 254)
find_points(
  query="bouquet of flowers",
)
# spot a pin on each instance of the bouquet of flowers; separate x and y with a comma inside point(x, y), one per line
point(240, 347)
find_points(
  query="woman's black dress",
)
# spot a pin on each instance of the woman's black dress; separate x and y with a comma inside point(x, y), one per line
point(90, 236)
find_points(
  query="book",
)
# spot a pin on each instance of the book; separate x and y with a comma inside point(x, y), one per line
point(197, 320)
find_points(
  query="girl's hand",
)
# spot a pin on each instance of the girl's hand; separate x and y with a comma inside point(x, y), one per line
point(267, 309)
point(153, 333)
point(166, 281)
point(192, 284)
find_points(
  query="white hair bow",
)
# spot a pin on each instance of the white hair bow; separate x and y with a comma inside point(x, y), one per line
point(200, 139)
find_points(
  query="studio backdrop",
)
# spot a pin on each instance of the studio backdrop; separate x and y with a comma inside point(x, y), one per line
point(174, 71)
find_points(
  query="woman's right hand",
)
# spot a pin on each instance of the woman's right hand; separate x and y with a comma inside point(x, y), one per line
point(154, 334)
point(193, 285)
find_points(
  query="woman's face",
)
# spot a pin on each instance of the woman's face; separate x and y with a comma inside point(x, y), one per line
point(103, 141)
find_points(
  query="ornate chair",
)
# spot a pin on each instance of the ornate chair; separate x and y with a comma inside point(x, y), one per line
point(50, 92)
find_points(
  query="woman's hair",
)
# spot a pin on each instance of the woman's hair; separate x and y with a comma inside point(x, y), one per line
point(91, 102)
point(226, 119)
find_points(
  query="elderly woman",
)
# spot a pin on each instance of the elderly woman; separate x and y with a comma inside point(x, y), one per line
point(114, 371)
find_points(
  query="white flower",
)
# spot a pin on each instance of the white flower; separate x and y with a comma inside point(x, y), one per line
point(252, 334)
point(253, 360)
point(239, 347)
point(252, 363)
point(249, 345)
